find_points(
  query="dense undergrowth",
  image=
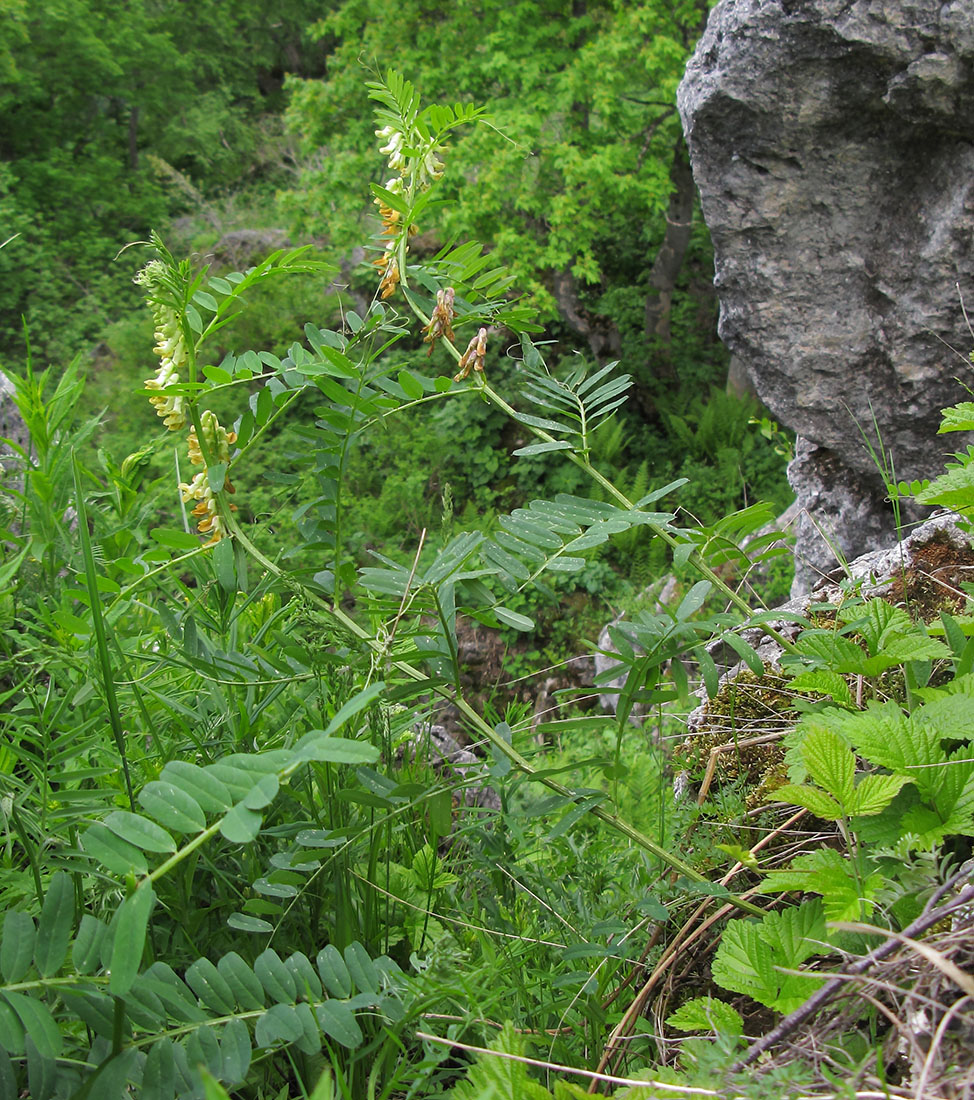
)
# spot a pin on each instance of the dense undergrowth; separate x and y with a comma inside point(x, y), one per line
point(232, 861)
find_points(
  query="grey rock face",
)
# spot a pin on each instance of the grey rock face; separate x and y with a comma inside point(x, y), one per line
point(12, 428)
point(832, 142)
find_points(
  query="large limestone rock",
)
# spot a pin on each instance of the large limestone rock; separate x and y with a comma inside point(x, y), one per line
point(832, 142)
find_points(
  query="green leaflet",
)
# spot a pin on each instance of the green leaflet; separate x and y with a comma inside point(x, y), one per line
point(752, 953)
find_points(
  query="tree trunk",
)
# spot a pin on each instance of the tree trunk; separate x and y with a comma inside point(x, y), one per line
point(666, 267)
point(600, 333)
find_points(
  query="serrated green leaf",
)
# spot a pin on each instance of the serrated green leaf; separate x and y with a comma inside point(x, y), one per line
point(831, 763)
point(875, 792)
point(820, 803)
point(707, 1014)
point(55, 925)
point(958, 418)
point(501, 1078)
point(823, 681)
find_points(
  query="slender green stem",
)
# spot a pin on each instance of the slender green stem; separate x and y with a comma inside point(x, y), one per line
point(101, 639)
point(489, 734)
point(582, 462)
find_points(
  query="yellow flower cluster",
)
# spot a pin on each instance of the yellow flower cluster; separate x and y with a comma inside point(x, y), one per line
point(218, 443)
point(171, 348)
point(426, 167)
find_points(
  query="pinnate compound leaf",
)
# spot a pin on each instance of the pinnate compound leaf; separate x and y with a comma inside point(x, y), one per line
point(707, 1014)
point(17, 949)
point(513, 619)
point(55, 925)
point(305, 979)
point(335, 750)
point(203, 1049)
point(247, 922)
point(212, 1089)
point(130, 924)
point(355, 706)
point(11, 1030)
point(8, 1079)
point(310, 1041)
point(113, 852)
point(262, 793)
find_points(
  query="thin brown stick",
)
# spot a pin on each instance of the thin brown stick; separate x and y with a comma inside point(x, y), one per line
point(684, 938)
